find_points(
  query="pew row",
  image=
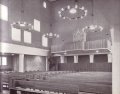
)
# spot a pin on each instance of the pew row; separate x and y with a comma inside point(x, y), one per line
point(65, 87)
point(45, 85)
point(37, 74)
point(89, 82)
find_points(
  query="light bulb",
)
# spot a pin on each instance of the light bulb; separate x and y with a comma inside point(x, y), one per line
point(60, 15)
point(59, 12)
point(97, 51)
point(54, 34)
point(68, 6)
point(63, 17)
point(50, 34)
point(92, 27)
point(58, 36)
point(73, 11)
point(62, 9)
point(76, 6)
point(22, 25)
point(82, 8)
point(81, 17)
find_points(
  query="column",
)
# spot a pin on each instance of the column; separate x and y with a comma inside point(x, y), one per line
point(91, 58)
point(116, 60)
point(16, 63)
point(0, 77)
point(62, 59)
point(109, 58)
point(76, 59)
point(21, 63)
point(47, 65)
point(0, 61)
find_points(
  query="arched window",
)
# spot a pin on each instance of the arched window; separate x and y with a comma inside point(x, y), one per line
point(79, 36)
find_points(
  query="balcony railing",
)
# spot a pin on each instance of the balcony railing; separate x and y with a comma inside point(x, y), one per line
point(89, 45)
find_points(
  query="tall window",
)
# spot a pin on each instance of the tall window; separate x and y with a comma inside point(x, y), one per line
point(79, 36)
point(36, 25)
point(44, 41)
point(16, 34)
point(4, 61)
point(3, 12)
point(44, 4)
point(27, 37)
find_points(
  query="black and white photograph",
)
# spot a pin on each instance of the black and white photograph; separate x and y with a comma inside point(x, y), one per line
point(59, 46)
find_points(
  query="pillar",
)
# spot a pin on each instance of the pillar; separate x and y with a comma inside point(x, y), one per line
point(21, 63)
point(76, 59)
point(62, 59)
point(47, 65)
point(116, 60)
point(0, 61)
point(91, 57)
point(16, 63)
point(109, 58)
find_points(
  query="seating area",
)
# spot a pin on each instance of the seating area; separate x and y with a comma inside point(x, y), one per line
point(36, 75)
point(69, 82)
point(59, 46)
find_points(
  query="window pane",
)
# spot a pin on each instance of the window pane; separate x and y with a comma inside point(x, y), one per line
point(16, 34)
point(37, 25)
point(44, 4)
point(4, 60)
point(44, 41)
point(3, 12)
point(27, 37)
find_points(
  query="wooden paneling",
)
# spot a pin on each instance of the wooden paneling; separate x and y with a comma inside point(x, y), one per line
point(70, 59)
point(100, 58)
point(88, 45)
point(83, 59)
point(105, 67)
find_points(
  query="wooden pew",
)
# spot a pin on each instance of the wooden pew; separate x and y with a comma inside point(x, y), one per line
point(96, 84)
point(45, 85)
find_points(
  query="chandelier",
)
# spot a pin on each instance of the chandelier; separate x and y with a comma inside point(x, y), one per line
point(74, 12)
point(21, 24)
point(51, 35)
point(93, 27)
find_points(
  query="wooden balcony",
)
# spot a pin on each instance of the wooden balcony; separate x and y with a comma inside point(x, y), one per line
point(88, 45)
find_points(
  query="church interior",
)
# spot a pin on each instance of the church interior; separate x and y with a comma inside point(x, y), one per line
point(59, 47)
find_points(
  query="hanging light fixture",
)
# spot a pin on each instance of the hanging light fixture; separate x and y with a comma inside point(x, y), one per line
point(21, 24)
point(73, 12)
point(51, 35)
point(93, 27)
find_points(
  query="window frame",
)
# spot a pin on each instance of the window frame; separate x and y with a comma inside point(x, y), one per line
point(2, 62)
